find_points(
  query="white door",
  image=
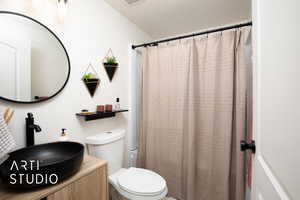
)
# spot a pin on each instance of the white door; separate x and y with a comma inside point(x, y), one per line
point(276, 38)
point(8, 86)
point(15, 69)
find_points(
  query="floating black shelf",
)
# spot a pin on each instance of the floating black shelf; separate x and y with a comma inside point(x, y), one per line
point(99, 115)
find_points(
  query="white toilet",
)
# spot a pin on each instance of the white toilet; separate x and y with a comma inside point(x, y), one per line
point(132, 183)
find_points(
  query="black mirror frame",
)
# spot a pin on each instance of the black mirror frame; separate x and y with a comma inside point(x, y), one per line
point(68, 58)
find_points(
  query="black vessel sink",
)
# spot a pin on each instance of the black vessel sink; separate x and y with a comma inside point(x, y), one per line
point(41, 165)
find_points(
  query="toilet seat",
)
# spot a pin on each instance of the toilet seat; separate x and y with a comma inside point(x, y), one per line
point(139, 184)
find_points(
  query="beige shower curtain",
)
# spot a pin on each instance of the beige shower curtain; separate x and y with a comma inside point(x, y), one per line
point(194, 115)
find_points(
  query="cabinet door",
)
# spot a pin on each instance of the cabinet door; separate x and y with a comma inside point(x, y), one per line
point(91, 187)
point(63, 194)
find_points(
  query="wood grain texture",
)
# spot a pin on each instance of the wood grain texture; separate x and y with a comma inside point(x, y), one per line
point(8, 114)
point(90, 164)
point(63, 194)
point(91, 187)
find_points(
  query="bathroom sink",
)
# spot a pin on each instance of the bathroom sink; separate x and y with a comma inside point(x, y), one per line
point(41, 165)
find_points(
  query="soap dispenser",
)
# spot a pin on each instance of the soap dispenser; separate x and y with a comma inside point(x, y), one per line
point(63, 136)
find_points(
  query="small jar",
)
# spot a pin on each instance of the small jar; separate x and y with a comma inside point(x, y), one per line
point(100, 108)
point(108, 108)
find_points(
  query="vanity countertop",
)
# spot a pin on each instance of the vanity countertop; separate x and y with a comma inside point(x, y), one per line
point(88, 166)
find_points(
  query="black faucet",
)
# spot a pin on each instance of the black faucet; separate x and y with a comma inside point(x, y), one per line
point(30, 129)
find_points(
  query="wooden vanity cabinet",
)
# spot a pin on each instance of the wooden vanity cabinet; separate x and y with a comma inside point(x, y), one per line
point(90, 183)
point(90, 187)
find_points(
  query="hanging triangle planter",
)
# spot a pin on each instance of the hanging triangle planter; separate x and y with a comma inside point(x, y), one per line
point(110, 64)
point(92, 85)
point(110, 69)
point(91, 80)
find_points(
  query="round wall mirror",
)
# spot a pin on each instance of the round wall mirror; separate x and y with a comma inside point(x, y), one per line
point(34, 64)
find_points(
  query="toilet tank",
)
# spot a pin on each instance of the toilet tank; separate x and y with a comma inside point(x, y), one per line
point(108, 146)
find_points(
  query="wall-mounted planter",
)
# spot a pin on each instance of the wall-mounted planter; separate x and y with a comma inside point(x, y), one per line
point(91, 79)
point(110, 64)
point(110, 69)
point(92, 85)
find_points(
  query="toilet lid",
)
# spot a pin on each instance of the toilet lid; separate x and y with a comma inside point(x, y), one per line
point(141, 182)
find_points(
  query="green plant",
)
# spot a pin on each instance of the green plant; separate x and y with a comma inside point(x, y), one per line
point(87, 76)
point(111, 60)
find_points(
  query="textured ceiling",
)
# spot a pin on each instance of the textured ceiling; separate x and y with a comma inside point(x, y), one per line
point(165, 18)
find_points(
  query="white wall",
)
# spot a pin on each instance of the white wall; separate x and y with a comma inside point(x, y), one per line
point(88, 31)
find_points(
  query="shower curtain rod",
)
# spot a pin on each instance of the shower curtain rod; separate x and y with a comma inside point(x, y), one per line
point(192, 35)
